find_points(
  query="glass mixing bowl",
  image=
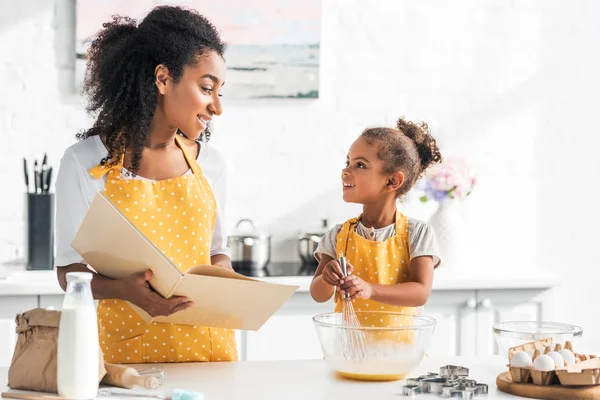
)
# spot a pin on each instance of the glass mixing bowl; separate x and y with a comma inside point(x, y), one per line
point(390, 352)
point(515, 333)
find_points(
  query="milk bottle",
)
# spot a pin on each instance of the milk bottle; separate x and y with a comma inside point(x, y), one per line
point(78, 354)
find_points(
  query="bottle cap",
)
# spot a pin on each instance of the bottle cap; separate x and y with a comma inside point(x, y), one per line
point(79, 276)
point(180, 394)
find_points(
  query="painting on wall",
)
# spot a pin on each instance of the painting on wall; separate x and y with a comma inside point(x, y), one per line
point(272, 45)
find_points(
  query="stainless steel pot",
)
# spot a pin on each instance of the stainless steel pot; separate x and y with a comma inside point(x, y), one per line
point(250, 250)
point(308, 243)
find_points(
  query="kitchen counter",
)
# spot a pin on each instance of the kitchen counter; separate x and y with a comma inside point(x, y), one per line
point(465, 305)
point(16, 281)
point(307, 380)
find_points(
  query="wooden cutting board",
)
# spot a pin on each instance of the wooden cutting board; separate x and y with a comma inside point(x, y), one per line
point(552, 392)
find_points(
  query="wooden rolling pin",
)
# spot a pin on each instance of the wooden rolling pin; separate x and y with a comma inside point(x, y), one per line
point(116, 375)
point(31, 396)
point(127, 377)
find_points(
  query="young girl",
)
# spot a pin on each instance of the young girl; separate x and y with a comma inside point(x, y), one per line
point(390, 257)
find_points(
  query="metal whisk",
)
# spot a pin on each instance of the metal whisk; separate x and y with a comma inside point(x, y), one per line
point(354, 342)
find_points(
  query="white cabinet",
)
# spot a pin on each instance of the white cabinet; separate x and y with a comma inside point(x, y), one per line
point(505, 305)
point(465, 318)
point(456, 314)
point(10, 306)
point(51, 302)
point(8, 339)
point(289, 334)
point(464, 322)
point(291, 337)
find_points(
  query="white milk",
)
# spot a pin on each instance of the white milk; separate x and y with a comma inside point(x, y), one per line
point(78, 350)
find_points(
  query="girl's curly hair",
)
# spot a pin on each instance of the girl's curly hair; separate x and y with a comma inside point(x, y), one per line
point(120, 76)
point(409, 148)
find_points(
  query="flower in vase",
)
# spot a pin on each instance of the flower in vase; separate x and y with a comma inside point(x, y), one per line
point(453, 179)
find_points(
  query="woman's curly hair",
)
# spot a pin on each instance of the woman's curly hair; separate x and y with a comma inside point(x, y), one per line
point(120, 76)
point(409, 148)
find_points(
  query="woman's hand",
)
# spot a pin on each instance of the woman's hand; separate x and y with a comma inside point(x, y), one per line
point(137, 290)
point(358, 288)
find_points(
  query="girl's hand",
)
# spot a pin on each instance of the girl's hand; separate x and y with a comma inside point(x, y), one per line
point(138, 291)
point(358, 288)
point(332, 273)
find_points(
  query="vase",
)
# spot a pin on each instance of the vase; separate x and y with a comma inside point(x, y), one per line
point(448, 226)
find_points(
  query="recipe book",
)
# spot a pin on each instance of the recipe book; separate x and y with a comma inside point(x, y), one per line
point(222, 298)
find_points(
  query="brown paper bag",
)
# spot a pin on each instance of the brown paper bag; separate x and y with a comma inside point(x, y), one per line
point(33, 365)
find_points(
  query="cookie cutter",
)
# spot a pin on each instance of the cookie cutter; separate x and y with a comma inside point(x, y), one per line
point(451, 382)
point(454, 371)
point(481, 388)
point(447, 390)
point(416, 381)
point(467, 383)
point(411, 390)
point(433, 385)
point(458, 391)
point(462, 394)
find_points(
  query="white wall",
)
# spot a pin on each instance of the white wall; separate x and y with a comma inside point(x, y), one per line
point(513, 85)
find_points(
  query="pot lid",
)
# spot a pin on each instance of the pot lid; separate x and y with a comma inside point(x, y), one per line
point(322, 230)
point(245, 228)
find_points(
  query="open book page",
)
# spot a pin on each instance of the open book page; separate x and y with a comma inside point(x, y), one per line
point(115, 248)
point(227, 301)
point(213, 270)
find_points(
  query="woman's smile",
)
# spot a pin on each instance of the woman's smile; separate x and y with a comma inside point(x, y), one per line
point(203, 121)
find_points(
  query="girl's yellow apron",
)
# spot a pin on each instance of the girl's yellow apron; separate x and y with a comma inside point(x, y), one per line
point(178, 216)
point(385, 263)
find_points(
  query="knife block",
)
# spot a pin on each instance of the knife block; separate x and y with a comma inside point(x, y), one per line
point(40, 231)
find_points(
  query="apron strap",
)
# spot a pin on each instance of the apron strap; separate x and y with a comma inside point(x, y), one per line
point(102, 169)
point(188, 156)
point(401, 224)
point(346, 229)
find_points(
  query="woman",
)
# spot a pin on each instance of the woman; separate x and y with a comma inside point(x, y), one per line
point(154, 89)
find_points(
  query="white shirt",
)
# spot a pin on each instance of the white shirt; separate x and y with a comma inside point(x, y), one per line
point(421, 239)
point(76, 188)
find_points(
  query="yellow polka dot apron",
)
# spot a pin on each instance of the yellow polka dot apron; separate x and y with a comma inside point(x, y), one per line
point(385, 263)
point(178, 216)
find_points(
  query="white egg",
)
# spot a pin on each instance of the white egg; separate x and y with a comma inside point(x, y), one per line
point(530, 352)
point(544, 363)
point(568, 356)
point(558, 360)
point(521, 359)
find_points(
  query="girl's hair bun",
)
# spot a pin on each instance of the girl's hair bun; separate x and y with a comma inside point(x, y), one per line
point(426, 145)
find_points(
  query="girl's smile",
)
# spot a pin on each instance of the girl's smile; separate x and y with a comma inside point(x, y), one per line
point(347, 186)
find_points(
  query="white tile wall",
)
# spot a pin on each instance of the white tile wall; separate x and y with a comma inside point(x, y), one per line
point(513, 85)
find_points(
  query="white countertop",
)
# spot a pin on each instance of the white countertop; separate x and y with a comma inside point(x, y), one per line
point(15, 281)
point(304, 380)
point(461, 280)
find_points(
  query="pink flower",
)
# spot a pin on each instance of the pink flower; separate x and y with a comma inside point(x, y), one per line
point(453, 178)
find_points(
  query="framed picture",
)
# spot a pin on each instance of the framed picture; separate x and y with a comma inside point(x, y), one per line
point(272, 45)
